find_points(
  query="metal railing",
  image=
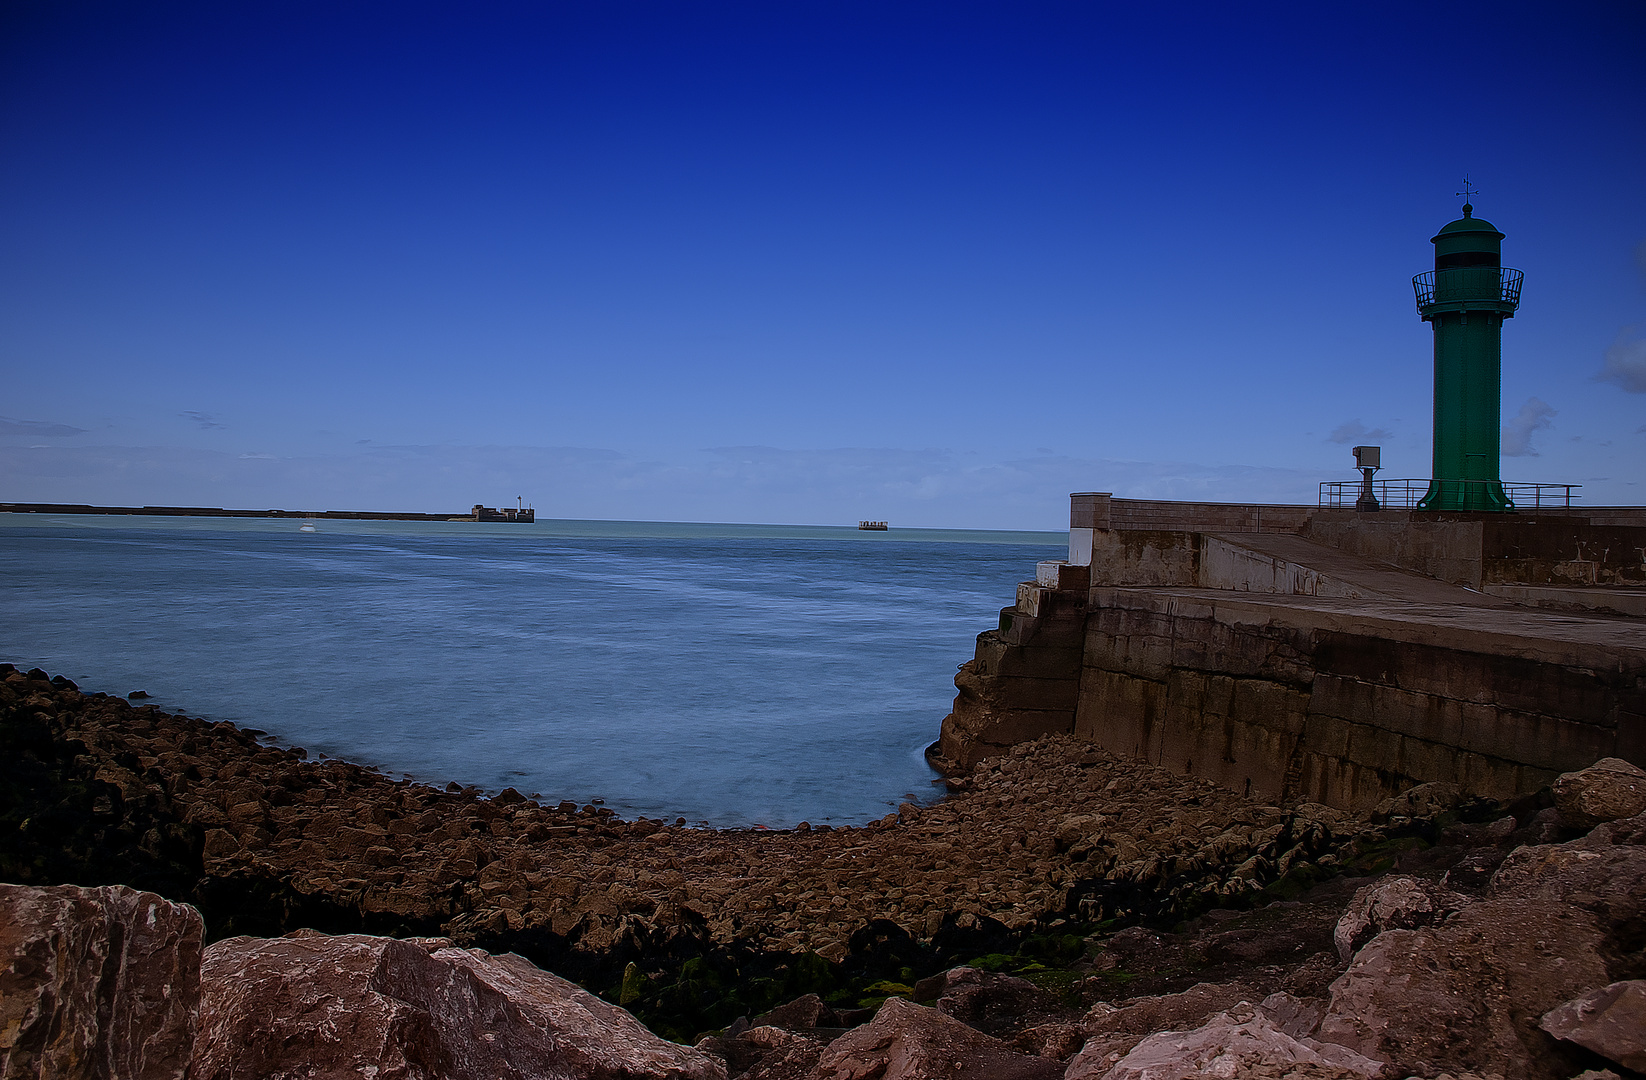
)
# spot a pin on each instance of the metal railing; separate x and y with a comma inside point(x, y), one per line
point(1463, 284)
point(1406, 494)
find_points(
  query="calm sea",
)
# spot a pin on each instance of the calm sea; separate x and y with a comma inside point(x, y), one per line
point(728, 674)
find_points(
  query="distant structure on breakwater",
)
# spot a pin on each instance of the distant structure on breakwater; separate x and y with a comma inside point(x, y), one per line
point(525, 515)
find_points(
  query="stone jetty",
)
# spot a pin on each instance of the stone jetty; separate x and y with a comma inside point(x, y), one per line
point(1301, 653)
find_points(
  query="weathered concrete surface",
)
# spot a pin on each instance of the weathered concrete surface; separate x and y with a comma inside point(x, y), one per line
point(1271, 562)
point(1100, 510)
point(1295, 565)
point(100, 982)
point(1023, 682)
point(1604, 600)
point(1578, 547)
point(1346, 702)
point(1559, 546)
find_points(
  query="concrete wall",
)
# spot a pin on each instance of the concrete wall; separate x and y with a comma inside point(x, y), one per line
point(1235, 561)
point(1145, 557)
point(1594, 546)
point(1480, 549)
point(1557, 551)
point(1448, 549)
point(1238, 568)
point(1342, 708)
point(1104, 511)
point(1096, 511)
point(1023, 681)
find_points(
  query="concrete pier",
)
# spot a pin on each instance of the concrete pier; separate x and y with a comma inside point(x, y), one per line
point(1324, 655)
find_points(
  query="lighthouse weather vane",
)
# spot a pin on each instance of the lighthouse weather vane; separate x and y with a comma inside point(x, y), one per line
point(1468, 193)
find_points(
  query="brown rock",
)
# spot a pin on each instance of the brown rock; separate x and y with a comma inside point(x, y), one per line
point(1610, 1021)
point(1295, 1016)
point(991, 1002)
point(1424, 800)
point(803, 1013)
point(100, 982)
point(313, 1006)
point(792, 1059)
point(906, 1041)
point(1241, 1042)
point(1393, 903)
point(1059, 1039)
point(1314, 977)
point(1467, 994)
point(1609, 789)
point(1603, 873)
point(1115, 1031)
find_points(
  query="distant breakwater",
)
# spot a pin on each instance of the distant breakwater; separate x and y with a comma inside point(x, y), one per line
point(215, 511)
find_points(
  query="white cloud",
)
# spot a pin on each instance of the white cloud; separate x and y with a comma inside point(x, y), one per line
point(1517, 433)
point(203, 421)
point(1353, 431)
point(37, 428)
point(1626, 362)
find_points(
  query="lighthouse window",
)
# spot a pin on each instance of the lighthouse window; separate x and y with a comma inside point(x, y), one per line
point(1468, 258)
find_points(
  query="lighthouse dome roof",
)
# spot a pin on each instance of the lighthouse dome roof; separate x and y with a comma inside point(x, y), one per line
point(1468, 224)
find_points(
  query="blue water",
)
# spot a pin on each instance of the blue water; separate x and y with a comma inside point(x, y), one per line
point(730, 675)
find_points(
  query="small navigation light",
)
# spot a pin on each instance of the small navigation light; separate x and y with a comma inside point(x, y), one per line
point(1368, 461)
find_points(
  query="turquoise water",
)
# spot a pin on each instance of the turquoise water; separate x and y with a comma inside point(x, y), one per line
point(727, 674)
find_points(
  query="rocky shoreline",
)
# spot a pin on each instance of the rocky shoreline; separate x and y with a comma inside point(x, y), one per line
point(1086, 882)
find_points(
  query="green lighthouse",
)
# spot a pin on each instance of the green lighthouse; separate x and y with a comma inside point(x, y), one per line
point(1466, 297)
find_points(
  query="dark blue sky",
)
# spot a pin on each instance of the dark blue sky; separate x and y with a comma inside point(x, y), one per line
point(800, 262)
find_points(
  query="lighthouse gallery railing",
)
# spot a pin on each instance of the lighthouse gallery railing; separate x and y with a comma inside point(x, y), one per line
point(1406, 494)
point(1461, 284)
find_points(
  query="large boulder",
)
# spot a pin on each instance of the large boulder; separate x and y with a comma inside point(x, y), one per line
point(1241, 1042)
point(1467, 994)
point(1394, 903)
point(1610, 1021)
point(1603, 873)
point(101, 982)
point(764, 1052)
point(1609, 789)
point(1114, 1031)
point(804, 1013)
point(311, 1006)
point(991, 1002)
point(906, 1041)
point(1422, 801)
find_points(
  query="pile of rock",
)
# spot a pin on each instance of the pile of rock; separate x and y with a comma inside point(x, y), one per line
point(112, 982)
point(1536, 969)
point(1016, 843)
point(1152, 925)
